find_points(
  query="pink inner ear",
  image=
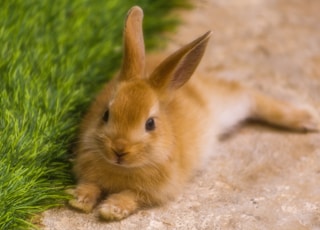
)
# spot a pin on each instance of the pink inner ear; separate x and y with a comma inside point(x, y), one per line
point(177, 69)
point(187, 67)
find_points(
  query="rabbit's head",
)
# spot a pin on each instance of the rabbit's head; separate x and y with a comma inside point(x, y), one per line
point(132, 127)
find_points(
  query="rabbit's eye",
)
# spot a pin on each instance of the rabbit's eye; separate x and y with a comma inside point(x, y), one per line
point(106, 116)
point(150, 124)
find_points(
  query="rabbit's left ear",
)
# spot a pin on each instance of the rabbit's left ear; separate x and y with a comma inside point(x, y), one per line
point(177, 69)
point(133, 64)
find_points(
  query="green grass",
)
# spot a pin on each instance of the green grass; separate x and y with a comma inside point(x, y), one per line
point(54, 57)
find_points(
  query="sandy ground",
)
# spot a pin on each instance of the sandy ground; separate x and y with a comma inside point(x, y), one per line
point(260, 177)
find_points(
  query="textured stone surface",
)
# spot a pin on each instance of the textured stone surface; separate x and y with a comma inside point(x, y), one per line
point(259, 177)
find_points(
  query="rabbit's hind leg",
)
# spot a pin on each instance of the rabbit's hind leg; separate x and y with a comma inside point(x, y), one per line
point(284, 114)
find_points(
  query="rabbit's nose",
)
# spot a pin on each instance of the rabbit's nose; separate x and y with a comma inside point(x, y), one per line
point(118, 153)
point(119, 147)
point(120, 144)
point(119, 156)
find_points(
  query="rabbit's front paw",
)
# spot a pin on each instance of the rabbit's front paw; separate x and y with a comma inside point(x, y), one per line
point(113, 212)
point(85, 197)
point(118, 206)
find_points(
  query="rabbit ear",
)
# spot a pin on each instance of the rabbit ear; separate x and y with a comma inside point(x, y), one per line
point(177, 69)
point(133, 63)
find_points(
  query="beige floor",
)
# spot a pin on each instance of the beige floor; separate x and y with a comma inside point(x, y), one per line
point(260, 177)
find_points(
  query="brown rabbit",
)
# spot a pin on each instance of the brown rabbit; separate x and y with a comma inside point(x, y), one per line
point(144, 136)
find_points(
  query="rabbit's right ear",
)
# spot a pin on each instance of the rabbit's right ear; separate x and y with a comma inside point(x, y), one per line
point(177, 69)
point(133, 63)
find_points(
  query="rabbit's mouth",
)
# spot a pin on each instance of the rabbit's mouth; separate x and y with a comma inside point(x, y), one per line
point(118, 161)
point(115, 161)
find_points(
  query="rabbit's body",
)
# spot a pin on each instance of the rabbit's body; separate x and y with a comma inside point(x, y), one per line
point(143, 137)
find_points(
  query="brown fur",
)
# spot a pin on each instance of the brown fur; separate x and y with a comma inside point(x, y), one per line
point(188, 114)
